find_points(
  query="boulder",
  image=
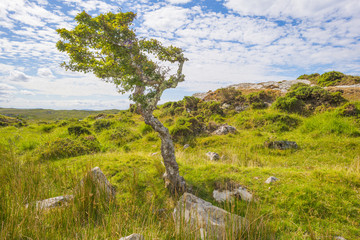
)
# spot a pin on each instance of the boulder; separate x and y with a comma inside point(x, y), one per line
point(97, 177)
point(51, 202)
point(224, 129)
point(281, 145)
point(213, 156)
point(227, 195)
point(271, 180)
point(134, 236)
point(195, 215)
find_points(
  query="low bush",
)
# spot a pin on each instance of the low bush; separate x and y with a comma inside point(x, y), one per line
point(78, 130)
point(102, 124)
point(349, 110)
point(122, 135)
point(304, 99)
point(65, 147)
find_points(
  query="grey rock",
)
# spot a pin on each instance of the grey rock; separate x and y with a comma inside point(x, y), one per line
point(340, 238)
point(134, 236)
point(97, 177)
point(271, 180)
point(194, 214)
point(227, 195)
point(241, 108)
point(186, 146)
point(225, 106)
point(224, 129)
point(281, 145)
point(51, 202)
point(154, 154)
point(213, 156)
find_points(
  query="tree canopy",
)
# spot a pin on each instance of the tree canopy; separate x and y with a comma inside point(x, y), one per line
point(107, 46)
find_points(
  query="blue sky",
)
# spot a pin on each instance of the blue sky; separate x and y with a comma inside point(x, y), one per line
point(226, 41)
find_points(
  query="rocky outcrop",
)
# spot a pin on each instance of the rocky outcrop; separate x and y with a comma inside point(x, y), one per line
point(193, 214)
point(224, 129)
point(281, 145)
point(134, 236)
point(51, 202)
point(213, 156)
point(227, 195)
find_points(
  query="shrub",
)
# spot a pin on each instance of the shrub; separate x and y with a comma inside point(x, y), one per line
point(186, 128)
point(145, 128)
point(349, 110)
point(102, 124)
point(122, 136)
point(304, 99)
point(330, 78)
point(47, 128)
point(65, 147)
point(78, 130)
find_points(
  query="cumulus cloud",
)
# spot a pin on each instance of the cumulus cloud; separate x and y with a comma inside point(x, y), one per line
point(26, 92)
point(45, 73)
point(179, 1)
point(18, 76)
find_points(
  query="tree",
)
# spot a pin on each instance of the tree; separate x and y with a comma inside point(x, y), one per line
point(107, 46)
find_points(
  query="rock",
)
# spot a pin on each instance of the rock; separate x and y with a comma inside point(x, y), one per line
point(227, 195)
point(52, 202)
point(271, 180)
point(97, 177)
point(213, 156)
point(340, 238)
point(281, 145)
point(154, 154)
point(225, 106)
point(193, 214)
point(224, 129)
point(186, 146)
point(241, 108)
point(134, 236)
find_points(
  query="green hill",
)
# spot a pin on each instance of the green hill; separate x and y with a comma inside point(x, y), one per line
point(316, 196)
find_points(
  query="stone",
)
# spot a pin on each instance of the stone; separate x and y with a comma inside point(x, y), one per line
point(281, 145)
point(134, 236)
point(227, 195)
point(193, 214)
point(241, 108)
point(271, 180)
point(52, 202)
point(224, 129)
point(186, 146)
point(101, 182)
point(225, 106)
point(340, 238)
point(213, 156)
point(154, 154)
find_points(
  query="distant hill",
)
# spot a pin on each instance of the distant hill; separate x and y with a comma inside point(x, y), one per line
point(48, 114)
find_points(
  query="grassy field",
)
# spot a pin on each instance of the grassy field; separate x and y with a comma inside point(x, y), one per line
point(317, 195)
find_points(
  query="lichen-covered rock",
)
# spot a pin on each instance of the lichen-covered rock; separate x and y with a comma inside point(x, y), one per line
point(227, 195)
point(224, 129)
point(134, 236)
point(213, 156)
point(194, 214)
point(97, 177)
point(51, 202)
point(281, 145)
point(271, 179)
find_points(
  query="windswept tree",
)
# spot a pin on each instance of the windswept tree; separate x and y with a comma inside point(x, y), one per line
point(107, 46)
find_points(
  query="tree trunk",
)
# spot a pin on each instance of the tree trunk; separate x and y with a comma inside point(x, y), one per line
point(173, 181)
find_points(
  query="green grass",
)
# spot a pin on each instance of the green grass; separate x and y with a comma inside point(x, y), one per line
point(316, 197)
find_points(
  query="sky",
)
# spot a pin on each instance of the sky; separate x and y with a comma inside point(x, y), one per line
point(226, 41)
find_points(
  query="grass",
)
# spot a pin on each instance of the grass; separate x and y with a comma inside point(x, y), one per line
point(316, 197)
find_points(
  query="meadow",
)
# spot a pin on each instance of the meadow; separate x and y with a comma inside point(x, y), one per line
point(316, 197)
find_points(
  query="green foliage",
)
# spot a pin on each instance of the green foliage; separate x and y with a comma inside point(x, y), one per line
point(78, 130)
point(65, 147)
point(305, 99)
point(330, 78)
point(349, 110)
point(122, 135)
point(145, 129)
point(102, 124)
point(10, 121)
point(226, 95)
point(187, 128)
point(47, 128)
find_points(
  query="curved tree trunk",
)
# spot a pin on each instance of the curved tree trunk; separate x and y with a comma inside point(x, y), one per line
point(173, 181)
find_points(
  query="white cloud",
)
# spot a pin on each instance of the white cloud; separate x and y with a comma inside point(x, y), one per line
point(26, 92)
point(45, 73)
point(17, 76)
point(179, 1)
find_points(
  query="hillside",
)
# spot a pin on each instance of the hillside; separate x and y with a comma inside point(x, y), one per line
point(316, 195)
